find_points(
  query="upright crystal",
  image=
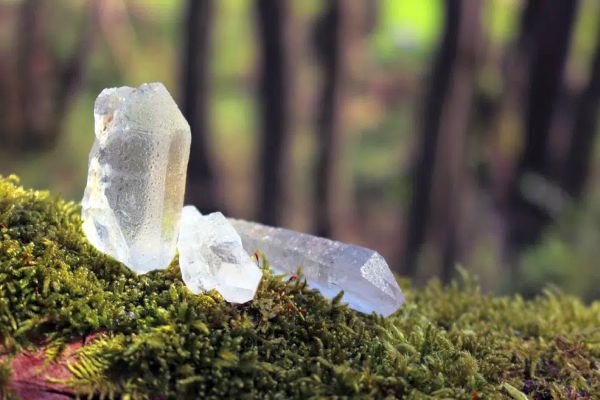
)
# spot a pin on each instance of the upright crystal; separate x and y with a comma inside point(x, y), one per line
point(330, 266)
point(211, 256)
point(136, 179)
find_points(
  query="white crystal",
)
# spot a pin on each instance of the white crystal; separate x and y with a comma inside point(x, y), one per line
point(330, 266)
point(211, 256)
point(136, 179)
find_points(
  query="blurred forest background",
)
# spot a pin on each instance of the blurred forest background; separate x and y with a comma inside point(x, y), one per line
point(437, 132)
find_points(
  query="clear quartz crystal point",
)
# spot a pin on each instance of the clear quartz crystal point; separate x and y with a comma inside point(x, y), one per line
point(330, 266)
point(211, 256)
point(136, 178)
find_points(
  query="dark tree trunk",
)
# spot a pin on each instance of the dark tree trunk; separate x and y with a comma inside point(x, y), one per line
point(327, 40)
point(32, 62)
point(529, 25)
point(527, 215)
point(514, 67)
point(201, 186)
point(432, 112)
point(579, 157)
point(44, 83)
point(71, 73)
point(5, 92)
point(273, 109)
point(449, 186)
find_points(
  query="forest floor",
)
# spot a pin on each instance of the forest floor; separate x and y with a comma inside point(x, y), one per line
point(76, 322)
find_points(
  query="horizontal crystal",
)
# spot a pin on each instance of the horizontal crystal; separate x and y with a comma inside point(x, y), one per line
point(330, 266)
point(136, 178)
point(211, 256)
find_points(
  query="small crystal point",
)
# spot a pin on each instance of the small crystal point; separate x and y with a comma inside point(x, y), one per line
point(330, 266)
point(211, 256)
point(136, 178)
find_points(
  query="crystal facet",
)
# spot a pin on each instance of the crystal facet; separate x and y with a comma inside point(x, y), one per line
point(330, 266)
point(211, 256)
point(136, 179)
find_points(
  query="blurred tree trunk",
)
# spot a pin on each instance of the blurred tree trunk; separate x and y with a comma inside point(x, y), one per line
point(10, 89)
point(273, 91)
point(44, 83)
point(530, 209)
point(328, 46)
point(585, 128)
point(71, 73)
point(32, 74)
point(448, 184)
point(201, 186)
point(497, 132)
point(510, 102)
point(423, 172)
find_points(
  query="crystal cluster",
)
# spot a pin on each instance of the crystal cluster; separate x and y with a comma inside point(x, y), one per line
point(136, 178)
point(330, 266)
point(132, 210)
point(211, 256)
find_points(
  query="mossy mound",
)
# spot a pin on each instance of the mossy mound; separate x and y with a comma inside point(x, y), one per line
point(155, 338)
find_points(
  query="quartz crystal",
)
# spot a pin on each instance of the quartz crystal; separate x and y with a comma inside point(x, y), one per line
point(330, 266)
point(136, 179)
point(211, 256)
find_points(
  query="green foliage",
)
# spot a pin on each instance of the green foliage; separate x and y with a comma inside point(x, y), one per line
point(153, 336)
point(567, 255)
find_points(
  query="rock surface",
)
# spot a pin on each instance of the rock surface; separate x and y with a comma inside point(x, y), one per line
point(330, 266)
point(35, 376)
point(211, 256)
point(136, 179)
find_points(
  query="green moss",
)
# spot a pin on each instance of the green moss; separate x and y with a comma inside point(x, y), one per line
point(155, 337)
point(5, 375)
